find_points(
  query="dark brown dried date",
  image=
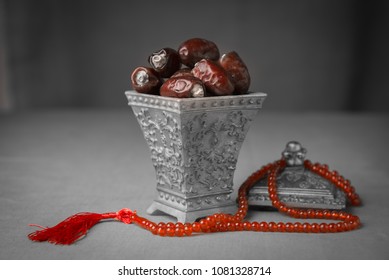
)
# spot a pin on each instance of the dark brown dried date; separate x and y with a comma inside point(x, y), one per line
point(165, 61)
point(238, 71)
point(183, 72)
point(146, 80)
point(196, 49)
point(183, 87)
point(214, 77)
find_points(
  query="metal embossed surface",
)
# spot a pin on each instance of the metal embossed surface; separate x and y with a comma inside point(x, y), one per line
point(194, 146)
point(300, 188)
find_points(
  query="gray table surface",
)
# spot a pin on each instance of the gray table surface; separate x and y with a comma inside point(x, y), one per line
point(59, 162)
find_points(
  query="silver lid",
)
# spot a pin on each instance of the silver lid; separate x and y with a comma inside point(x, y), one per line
point(297, 186)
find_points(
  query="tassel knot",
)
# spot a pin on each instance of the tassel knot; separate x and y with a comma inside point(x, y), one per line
point(125, 215)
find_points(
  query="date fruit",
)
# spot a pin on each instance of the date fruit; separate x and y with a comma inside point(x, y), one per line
point(165, 61)
point(183, 87)
point(183, 72)
point(146, 80)
point(196, 49)
point(238, 71)
point(214, 77)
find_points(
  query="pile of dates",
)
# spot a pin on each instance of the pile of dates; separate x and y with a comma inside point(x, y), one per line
point(195, 70)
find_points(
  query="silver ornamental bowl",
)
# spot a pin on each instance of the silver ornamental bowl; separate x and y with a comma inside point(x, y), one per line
point(194, 144)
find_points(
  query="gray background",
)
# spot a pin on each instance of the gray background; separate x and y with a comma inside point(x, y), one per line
point(68, 142)
point(311, 55)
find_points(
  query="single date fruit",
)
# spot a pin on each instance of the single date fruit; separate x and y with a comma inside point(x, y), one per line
point(214, 77)
point(146, 80)
point(238, 71)
point(195, 49)
point(183, 72)
point(183, 87)
point(165, 61)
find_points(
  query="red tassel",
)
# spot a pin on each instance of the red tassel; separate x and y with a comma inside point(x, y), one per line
point(70, 230)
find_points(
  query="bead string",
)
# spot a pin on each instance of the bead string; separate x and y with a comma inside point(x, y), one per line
point(221, 222)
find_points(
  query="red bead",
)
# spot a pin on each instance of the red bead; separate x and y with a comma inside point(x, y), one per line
point(340, 227)
point(273, 197)
point(243, 208)
point(319, 214)
point(170, 225)
point(161, 231)
point(242, 201)
point(217, 217)
point(255, 226)
point(352, 224)
point(327, 214)
point(356, 202)
point(154, 229)
point(306, 227)
point(323, 227)
point(348, 217)
point(230, 218)
point(354, 196)
point(179, 232)
point(298, 227)
point(335, 215)
point(290, 212)
point(196, 227)
point(308, 163)
point(247, 226)
point(289, 227)
point(170, 231)
point(179, 225)
point(315, 228)
point(272, 226)
point(272, 190)
point(222, 227)
point(239, 217)
point(231, 226)
point(310, 213)
point(263, 226)
point(204, 225)
point(211, 221)
point(242, 212)
point(276, 203)
point(282, 208)
point(342, 215)
point(332, 227)
point(238, 226)
point(302, 214)
point(188, 229)
point(281, 227)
